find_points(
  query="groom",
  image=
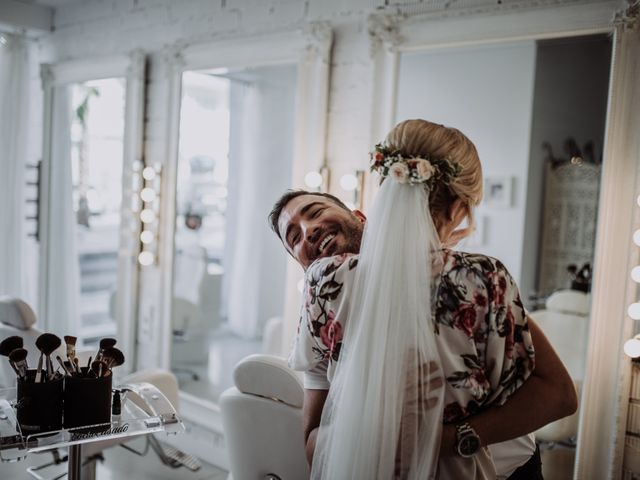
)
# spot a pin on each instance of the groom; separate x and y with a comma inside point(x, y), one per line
point(313, 225)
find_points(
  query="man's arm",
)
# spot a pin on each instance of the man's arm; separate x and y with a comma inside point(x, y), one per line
point(311, 414)
point(547, 395)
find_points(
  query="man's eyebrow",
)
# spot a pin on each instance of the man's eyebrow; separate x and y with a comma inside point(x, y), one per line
point(303, 212)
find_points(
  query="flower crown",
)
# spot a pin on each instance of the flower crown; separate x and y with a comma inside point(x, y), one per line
point(414, 170)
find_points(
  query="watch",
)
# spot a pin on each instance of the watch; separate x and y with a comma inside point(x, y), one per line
point(468, 441)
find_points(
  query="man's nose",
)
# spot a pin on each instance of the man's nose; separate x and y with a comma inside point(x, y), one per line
point(311, 231)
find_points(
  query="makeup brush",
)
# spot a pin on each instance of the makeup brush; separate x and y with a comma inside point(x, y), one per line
point(104, 344)
point(47, 343)
point(9, 344)
point(98, 367)
point(64, 367)
point(113, 357)
point(70, 341)
point(18, 359)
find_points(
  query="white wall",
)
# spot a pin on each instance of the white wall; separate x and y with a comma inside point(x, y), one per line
point(486, 92)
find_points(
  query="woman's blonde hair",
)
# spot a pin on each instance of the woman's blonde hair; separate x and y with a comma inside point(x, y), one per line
point(420, 138)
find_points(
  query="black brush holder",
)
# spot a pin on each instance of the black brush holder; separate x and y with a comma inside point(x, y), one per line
point(87, 400)
point(39, 405)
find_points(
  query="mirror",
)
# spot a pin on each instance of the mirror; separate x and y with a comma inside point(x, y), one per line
point(248, 122)
point(536, 112)
point(89, 227)
point(395, 39)
point(235, 151)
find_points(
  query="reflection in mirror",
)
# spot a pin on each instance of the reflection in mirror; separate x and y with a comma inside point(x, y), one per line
point(83, 209)
point(536, 112)
point(97, 145)
point(234, 160)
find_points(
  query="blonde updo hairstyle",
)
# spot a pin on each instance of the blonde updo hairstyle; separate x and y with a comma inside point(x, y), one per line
point(420, 138)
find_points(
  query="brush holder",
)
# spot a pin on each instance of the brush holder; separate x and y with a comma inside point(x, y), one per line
point(39, 405)
point(87, 400)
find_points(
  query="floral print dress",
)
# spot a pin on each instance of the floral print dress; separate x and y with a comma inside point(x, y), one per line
point(480, 324)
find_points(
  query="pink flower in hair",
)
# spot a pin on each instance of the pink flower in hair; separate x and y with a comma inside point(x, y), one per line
point(400, 172)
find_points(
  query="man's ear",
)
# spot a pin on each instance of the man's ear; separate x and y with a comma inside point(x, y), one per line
point(361, 216)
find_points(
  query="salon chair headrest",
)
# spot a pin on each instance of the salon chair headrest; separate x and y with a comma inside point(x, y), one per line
point(268, 376)
point(569, 301)
point(16, 313)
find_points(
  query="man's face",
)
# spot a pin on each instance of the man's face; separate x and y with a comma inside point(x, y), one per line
point(312, 226)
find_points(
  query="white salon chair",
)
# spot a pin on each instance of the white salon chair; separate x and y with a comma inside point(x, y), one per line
point(565, 322)
point(262, 421)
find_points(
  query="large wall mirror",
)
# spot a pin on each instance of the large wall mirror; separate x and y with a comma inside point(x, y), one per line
point(537, 104)
point(89, 228)
point(249, 121)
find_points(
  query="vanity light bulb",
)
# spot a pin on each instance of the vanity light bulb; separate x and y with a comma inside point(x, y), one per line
point(148, 173)
point(632, 347)
point(313, 179)
point(636, 237)
point(349, 182)
point(638, 200)
point(148, 194)
point(635, 274)
point(146, 237)
point(146, 258)
point(634, 311)
point(147, 215)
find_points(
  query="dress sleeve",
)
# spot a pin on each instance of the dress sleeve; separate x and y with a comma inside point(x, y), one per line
point(510, 357)
point(323, 312)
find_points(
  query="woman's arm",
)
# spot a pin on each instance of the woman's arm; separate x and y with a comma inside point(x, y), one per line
point(547, 395)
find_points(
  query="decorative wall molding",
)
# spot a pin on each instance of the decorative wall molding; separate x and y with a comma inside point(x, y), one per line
point(318, 37)
point(628, 17)
point(384, 31)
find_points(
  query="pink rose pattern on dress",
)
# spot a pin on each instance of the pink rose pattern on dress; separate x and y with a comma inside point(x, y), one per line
point(477, 312)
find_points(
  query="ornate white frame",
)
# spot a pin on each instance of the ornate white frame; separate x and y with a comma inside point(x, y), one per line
point(310, 49)
point(131, 67)
point(604, 396)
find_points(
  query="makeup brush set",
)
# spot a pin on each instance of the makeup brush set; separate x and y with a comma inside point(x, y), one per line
point(71, 395)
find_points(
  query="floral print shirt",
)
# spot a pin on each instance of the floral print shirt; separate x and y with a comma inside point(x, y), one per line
point(480, 325)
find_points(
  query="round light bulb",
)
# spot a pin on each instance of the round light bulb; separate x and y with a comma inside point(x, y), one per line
point(349, 182)
point(313, 179)
point(137, 165)
point(634, 311)
point(148, 173)
point(638, 200)
point(636, 237)
point(146, 236)
point(147, 215)
point(632, 347)
point(635, 274)
point(146, 258)
point(148, 194)
point(300, 285)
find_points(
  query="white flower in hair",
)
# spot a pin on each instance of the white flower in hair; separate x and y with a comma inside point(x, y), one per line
point(400, 172)
point(425, 168)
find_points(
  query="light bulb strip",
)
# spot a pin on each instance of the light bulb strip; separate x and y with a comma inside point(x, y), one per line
point(149, 200)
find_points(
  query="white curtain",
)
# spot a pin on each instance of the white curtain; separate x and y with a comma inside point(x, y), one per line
point(14, 131)
point(260, 156)
point(63, 271)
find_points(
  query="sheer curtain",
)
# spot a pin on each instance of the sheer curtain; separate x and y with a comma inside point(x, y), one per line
point(14, 138)
point(63, 272)
point(260, 156)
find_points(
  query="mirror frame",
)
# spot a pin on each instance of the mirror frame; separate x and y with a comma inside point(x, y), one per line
point(606, 385)
point(132, 68)
point(309, 48)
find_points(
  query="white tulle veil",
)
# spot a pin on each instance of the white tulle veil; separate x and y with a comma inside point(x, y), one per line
point(383, 415)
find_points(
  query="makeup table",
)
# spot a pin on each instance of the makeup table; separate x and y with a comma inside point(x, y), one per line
point(144, 410)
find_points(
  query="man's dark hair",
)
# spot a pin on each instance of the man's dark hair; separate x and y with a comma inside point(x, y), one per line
point(289, 195)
